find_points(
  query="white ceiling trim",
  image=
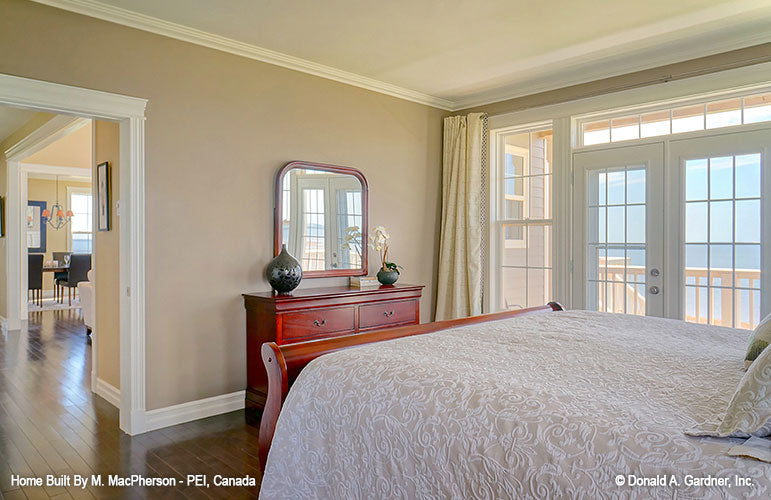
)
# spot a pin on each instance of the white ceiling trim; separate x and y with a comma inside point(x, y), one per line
point(51, 172)
point(571, 61)
point(172, 30)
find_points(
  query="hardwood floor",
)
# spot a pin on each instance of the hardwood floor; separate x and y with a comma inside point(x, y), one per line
point(51, 423)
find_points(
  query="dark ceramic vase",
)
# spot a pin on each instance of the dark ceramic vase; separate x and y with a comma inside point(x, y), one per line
point(284, 272)
point(387, 277)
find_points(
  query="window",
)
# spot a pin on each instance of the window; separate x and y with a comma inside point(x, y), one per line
point(703, 116)
point(81, 225)
point(524, 226)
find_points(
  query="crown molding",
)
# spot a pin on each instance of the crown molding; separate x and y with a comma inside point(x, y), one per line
point(144, 22)
point(562, 68)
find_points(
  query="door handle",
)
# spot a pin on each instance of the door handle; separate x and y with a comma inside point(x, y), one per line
point(654, 290)
point(320, 323)
point(388, 314)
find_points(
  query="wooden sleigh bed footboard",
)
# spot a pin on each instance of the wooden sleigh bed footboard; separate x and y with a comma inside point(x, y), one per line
point(284, 363)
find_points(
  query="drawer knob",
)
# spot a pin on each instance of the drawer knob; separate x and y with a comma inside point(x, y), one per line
point(388, 314)
point(320, 323)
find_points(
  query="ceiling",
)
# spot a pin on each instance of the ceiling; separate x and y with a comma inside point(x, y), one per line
point(72, 150)
point(11, 119)
point(452, 53)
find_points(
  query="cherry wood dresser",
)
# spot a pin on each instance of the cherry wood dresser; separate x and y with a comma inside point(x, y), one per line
point(319, 313)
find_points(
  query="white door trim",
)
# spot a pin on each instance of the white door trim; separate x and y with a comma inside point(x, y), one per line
point(130, 112)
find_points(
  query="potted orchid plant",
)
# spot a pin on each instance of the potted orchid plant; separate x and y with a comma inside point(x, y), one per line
point(379, 241)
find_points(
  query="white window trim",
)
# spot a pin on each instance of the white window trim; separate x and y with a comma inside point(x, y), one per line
point(564, 116)
point(79, 190)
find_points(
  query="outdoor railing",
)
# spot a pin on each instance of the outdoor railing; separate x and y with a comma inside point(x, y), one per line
point(719, 301)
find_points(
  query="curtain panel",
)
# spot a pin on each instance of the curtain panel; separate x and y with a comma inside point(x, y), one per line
point(459, 284)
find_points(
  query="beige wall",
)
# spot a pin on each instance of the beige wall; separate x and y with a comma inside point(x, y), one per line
point(56, 240)
point(107, 261)
point(33, 124)
point(218, 129)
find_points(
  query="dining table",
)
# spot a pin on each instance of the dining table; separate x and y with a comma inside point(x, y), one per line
point(55, 269)
point(58, 296)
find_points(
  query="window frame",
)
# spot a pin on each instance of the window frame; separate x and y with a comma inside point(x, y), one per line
point(504, 197)
point(564, 115)
point(669, 105)
point(497, 219)
point(80, 190)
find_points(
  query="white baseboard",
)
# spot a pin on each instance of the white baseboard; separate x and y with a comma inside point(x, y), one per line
point(108, 392)
point(193, 410)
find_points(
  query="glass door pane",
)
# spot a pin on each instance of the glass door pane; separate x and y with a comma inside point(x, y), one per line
point(723, 240)
point(615, 280)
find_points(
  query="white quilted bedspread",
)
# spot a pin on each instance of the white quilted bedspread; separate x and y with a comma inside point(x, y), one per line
point(553, 405)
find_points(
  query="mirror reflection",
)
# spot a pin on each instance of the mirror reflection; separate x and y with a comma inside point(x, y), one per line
point(321, 219)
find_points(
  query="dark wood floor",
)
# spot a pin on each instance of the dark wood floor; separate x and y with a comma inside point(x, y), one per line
point(51, 423)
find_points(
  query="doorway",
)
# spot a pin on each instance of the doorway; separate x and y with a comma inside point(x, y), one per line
point(676, 228)
point(55, 201)
point(128, 112)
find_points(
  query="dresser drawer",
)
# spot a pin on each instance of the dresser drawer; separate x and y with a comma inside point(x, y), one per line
point(387, 313)
point(308, 324)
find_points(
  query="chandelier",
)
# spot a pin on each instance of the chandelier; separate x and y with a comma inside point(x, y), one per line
point(60, 217)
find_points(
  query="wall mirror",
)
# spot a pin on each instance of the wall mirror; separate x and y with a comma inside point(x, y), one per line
point(321, 217)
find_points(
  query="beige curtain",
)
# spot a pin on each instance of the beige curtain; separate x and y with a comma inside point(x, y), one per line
point(459, 284)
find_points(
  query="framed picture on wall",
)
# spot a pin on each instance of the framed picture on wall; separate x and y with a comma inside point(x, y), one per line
point(2, 217)
point(36, 227)
point(103, 186)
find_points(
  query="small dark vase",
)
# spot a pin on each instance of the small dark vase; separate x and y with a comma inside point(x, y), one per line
point(284, 272)
point(387, 277)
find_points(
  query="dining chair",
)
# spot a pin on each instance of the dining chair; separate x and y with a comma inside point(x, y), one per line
point(80, 264)
point(35, 277)
point(63, 259)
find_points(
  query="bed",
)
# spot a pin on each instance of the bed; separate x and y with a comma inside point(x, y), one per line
point(541, 403)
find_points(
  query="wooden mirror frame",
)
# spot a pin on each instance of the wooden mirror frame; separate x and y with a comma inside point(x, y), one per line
point(277, 230)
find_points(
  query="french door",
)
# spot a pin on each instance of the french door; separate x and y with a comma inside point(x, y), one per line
point(618, 241)
point(720, 229)
point(680, 229)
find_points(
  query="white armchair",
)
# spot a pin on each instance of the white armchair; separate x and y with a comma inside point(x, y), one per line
point(86, 292)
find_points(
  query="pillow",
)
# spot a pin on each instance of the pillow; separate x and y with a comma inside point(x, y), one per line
point(759, 340)
point(749, 412)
